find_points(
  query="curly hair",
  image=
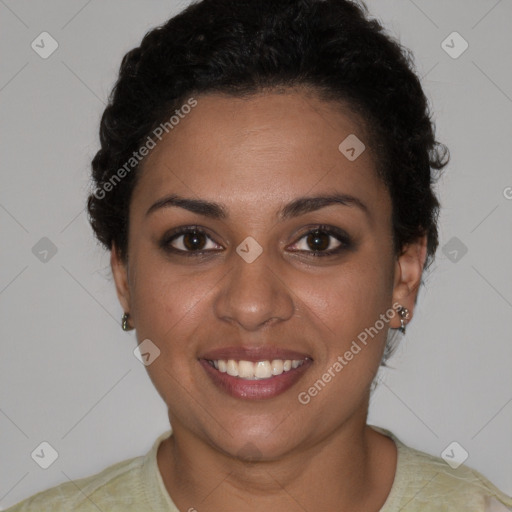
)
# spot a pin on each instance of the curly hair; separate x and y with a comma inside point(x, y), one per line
point(242, 47)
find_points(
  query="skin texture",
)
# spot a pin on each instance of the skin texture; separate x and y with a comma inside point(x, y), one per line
point(254, 155)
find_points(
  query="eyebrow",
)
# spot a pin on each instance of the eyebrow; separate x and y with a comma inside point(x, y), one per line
point(295, 208)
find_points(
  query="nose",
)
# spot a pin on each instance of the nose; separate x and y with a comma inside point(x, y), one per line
point(254, 295)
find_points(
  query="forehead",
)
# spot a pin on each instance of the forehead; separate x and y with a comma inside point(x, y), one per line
point(271, 146)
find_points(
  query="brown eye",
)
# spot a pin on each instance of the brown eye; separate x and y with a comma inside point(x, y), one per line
point(194, 241)
point(318, 241)
point(189, 240)
point(323, 241)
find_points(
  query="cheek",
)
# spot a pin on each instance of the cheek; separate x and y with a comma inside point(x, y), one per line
point(347, 308)
point(169, 308)
point(348, 299)
point(167, 300)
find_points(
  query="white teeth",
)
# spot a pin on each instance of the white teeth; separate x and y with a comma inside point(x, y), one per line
point(277, 367)
point(245, 369)
point(232, 368)
point(248, 370)
point(262, 370)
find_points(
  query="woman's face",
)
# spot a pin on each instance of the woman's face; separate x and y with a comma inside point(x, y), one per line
point(256, 282)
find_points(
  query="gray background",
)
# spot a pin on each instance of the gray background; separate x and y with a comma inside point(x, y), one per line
point(68, 373)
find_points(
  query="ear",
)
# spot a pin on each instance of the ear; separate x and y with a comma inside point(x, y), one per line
point(120, 273)
point(407, 280)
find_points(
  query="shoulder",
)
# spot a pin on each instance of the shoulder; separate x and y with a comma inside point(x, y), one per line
point(432, 480)
point(428, 483)
point(113, 489)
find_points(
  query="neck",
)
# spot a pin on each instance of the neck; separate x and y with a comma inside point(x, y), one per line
point(352, 469)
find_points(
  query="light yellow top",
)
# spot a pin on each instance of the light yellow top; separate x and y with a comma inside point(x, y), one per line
point(422, 483)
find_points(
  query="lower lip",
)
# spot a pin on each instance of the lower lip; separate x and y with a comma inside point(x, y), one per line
point(255, 389)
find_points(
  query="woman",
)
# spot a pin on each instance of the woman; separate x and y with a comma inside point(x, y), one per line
point(264, 185)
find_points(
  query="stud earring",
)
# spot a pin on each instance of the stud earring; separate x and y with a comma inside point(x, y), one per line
point(124, 322)
point(404, 315)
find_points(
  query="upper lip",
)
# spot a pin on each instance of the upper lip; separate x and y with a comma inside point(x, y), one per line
point(253, 354)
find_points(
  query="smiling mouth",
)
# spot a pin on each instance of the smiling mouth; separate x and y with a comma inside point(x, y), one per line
point(258, 370)
point(258, 379)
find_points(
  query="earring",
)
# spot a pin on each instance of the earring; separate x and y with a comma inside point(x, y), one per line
point(124, 322)
point(404, 315)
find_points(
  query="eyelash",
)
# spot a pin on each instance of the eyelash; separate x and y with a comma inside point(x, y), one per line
point(338, 234)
